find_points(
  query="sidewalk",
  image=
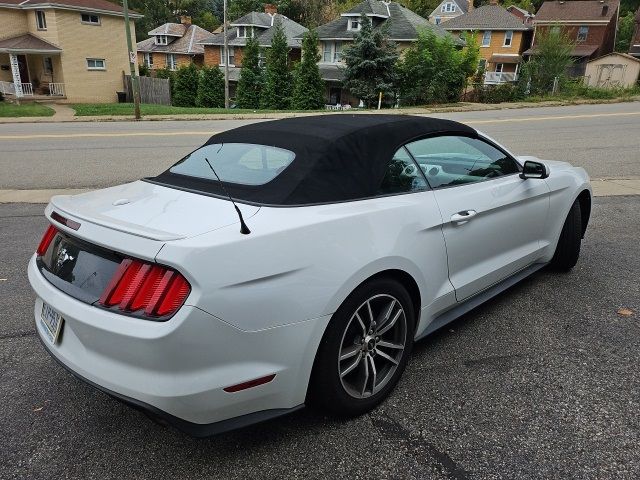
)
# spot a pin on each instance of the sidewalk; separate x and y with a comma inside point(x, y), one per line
point(64, 113)
point(602, 187)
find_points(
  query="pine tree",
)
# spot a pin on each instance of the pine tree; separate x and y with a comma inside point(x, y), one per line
point(251, 77)
point(276, 94)
point(185, 86)
point(210, 88)
point(370, 61)
point(308, 86)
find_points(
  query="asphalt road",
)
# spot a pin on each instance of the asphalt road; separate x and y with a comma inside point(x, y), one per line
point(604, 139)
point(541, 382)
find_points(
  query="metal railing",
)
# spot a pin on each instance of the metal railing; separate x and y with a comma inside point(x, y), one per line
point(7, 88)
point(27, 89)
point(500, 77)
point(56, 89)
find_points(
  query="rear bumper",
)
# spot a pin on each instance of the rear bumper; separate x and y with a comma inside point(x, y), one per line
point(177, 369)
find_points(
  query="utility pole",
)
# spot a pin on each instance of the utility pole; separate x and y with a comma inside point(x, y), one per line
point(135, 81)
point(226, 55)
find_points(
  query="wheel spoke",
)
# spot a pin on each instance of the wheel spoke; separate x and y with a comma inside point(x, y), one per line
point(371, 319)
point(366, 377)
point(364, 329)
point(386, 314)
point(391, 323)
point(388, 357)
point(375, 373)
point(350, 368)
point(349, 352)
point(383, 343)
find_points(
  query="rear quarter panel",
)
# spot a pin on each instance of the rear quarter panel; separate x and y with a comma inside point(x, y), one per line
point(300, 263)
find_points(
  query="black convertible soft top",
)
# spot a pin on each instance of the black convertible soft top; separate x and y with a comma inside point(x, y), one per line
point(337, 157)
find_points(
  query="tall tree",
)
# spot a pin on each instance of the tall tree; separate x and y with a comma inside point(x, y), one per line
point(626, 25)
point(551, 60)
point(210, 88)
point(370, 64)
point(308, 86)
point(434, 70)
point(276, 94)
point(251, 77)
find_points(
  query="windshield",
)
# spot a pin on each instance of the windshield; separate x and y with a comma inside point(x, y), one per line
point(242, 163)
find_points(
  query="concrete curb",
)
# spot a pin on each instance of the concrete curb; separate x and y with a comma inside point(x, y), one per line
point(602, 187)
point(64, 113)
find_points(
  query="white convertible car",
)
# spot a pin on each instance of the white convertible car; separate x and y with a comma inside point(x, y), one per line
point(293, 261)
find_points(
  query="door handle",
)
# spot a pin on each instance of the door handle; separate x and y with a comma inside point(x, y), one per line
point(463, 216)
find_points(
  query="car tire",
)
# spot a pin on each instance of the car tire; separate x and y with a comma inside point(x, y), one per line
point(380, 362)
point(568, 248)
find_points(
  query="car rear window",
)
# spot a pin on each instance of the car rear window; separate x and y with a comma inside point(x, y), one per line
point(241, 163)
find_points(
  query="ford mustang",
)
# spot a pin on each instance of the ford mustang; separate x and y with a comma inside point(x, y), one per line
point(293, 261)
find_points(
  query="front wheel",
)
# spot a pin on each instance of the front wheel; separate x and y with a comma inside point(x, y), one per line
point(365, 349)
point(568, 248)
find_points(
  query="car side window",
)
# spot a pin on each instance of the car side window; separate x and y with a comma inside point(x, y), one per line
point(402, 175)
point(451, 160)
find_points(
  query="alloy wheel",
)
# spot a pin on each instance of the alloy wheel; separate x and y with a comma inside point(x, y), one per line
point(372, 346)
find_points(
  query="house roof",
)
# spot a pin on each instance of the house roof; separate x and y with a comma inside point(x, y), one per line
point(577, 10)
point(331, 72)
point(487, 17)
point(463, 5)
point(369, 8)
point(292, 30)
point(170, 29)
point(27, 43)
point(497, 58)
point(187, 44)
point(260, 19)
point(578, 51)
point(617, 54)
point(101, 6)
point(403, 24)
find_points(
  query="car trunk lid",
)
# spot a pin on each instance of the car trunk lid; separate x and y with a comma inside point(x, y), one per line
point(152, 211)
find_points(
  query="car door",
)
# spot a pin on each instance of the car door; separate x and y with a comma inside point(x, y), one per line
point(493, 221)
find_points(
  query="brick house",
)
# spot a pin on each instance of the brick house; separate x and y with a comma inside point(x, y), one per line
point(590, 24)
point(172, 45)
point(401, 24)
point(74, 50)
point(258, 25)
point(502, 38)
point(448, 9)
point(634, 48)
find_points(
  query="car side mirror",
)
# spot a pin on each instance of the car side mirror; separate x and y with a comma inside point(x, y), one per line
point(533, 169)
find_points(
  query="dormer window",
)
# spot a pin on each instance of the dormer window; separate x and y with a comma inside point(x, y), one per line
point(245, 32)
point(448, 7)
point(354, 25)
point(161, 40)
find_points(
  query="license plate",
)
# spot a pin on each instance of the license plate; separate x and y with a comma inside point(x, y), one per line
point(51, 322)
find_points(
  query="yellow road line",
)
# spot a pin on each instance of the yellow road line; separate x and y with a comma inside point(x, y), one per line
point(98, 135)
point(558, 117)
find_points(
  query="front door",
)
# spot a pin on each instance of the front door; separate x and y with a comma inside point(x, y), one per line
point(24, 70)
point(493, 221)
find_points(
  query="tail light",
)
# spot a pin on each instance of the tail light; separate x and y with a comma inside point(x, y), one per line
point(145, 289)
point(49, 233)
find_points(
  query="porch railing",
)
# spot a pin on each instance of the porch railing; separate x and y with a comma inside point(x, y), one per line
point(7, 88)
point(27, 89)
point(500, 77)
point(56, 89)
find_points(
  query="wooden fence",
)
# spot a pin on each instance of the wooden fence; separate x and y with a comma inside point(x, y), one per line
point(152, 90)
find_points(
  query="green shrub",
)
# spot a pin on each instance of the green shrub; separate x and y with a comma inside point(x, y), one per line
point(210, 88)
point(186, 86)
point(143, 70)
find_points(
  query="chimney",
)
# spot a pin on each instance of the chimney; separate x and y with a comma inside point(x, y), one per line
point(185, 20)
point(605, 10)
point(270, 8)
point(493, 2)
point(469, 5)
